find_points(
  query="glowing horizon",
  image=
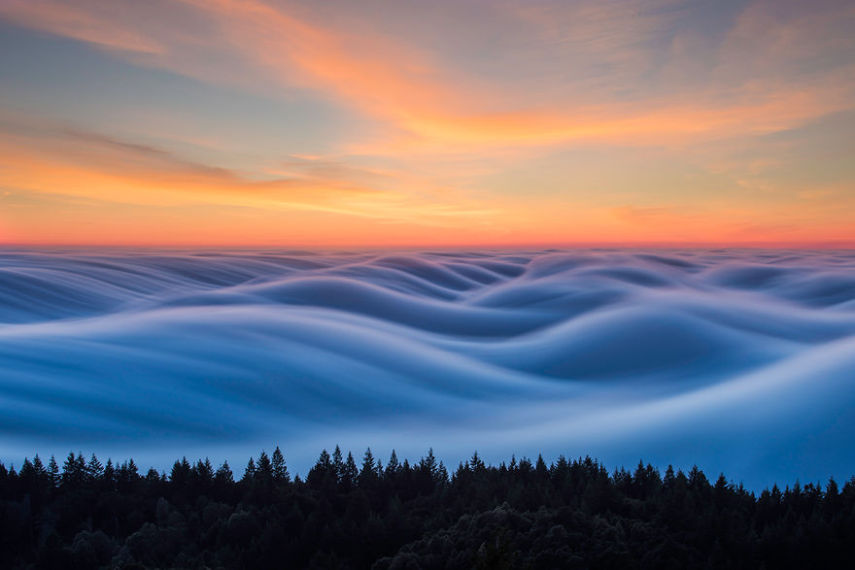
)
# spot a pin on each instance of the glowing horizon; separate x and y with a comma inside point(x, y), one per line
point(252, 123)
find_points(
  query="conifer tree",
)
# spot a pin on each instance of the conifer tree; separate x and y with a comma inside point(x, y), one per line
point(350, 472)
point(249, 472)
point(204, 471)
point(180, 474)
point(264, 469)
point(280, 470)
point(428, 464)
point(94, 469)
point(540, 468)
point(323, 474)
point(393, 466)
point(224, 474)
point(368, 473)
point(338, 464)
point(53, 471)
point(40, 475)
point(28, 473)
point(133, 472)
point(82, 468)
point(442, 473)
point(669, 479)
point(71, 470)
point(109, 473)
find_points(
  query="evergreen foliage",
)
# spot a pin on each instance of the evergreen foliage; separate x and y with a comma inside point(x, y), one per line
point(568, 514)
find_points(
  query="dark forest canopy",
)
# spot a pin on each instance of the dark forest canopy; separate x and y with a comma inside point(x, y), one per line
point(349, 514)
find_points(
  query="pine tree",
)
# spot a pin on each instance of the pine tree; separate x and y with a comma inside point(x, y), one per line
point(393, 467)
point(72, 473)
point(541, 469)
point(428, 464)
point(831, 502)
point(82, 466)
point(338, 464)
point(133, 472)
point(368, 473)
point(203, 471)
point(442, 473)
point(94, 470)
point(669, 480)
point(264, 470)
point(350, 473)
point(109, 473)
point(41, 474)
point(224, 474)
point(322, 475)
point(249, 472)
point(280, 470)
point(180, 474)
point(324, 461)
point(28, 473)
point(53, 471)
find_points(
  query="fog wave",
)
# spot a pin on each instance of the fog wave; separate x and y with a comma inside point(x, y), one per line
point(735, 360)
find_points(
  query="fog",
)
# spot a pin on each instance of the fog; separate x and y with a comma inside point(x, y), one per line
point(740, 361)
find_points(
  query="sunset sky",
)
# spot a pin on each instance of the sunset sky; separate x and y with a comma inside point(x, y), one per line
point(409, 123)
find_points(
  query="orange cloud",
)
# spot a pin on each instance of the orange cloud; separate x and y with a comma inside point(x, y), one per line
point(439, 127)
point(90, 165)
point(434, 107)
point(89, 23)
point(50, 161)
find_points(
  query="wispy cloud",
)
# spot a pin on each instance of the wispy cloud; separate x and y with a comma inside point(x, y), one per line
point(453, 109)
point(59, 159)
point(430, 103)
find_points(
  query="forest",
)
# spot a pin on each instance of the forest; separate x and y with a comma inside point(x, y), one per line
point(401, 515)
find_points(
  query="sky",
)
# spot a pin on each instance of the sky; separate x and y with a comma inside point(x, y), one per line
point(408, 123)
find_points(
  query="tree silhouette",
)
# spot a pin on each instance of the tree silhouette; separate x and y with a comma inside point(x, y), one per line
point(518, 515)
point(280, 471)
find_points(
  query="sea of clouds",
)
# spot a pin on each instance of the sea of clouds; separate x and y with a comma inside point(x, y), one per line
point(740, 361)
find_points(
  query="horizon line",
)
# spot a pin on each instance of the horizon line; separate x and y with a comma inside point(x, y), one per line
point(818, 245)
